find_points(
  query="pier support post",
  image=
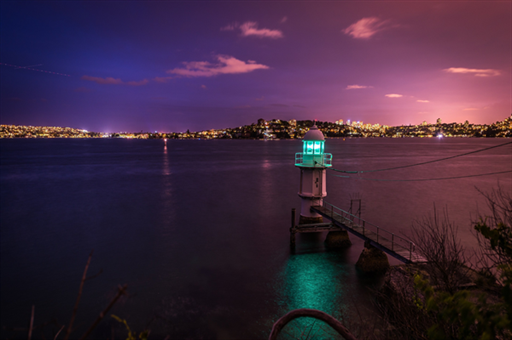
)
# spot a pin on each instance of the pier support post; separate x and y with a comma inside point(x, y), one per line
point(372, 259)
point(337, 239)
point(292, 230)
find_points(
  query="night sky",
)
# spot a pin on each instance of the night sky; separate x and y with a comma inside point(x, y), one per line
point(173, 66)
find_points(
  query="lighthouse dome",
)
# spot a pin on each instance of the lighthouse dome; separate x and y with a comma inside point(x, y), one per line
point(314, 134)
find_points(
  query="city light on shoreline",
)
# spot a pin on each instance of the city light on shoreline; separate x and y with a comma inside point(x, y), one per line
point(279, 129)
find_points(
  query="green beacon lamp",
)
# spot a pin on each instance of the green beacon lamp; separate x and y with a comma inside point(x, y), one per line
point(312, 162)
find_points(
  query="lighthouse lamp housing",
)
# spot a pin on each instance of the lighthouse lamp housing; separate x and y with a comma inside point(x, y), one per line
point(312, 154)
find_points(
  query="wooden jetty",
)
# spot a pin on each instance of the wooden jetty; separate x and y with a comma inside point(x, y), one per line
point(393, 245)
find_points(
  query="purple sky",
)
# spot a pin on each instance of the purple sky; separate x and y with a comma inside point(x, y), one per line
point(172, 66)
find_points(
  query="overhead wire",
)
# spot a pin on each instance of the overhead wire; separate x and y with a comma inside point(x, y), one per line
point(422, 163)
point(34, 69)
point(425, 179)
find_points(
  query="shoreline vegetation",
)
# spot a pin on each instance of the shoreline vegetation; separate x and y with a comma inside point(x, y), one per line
point(458, 293)
point(276, 129)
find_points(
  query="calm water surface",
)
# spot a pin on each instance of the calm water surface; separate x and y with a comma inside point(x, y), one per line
point(199, 229)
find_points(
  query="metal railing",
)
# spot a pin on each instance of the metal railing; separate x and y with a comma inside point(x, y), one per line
point(320, 160)
point(383, 234)
point(327, 159)
point(298, 158)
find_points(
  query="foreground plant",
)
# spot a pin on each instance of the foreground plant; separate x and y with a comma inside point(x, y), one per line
point(121, 290)
point(446, 298)
point(132, 335)
point(461, 314)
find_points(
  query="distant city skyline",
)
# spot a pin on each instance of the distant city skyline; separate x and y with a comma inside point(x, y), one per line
point(177, 66)
point(278, 129)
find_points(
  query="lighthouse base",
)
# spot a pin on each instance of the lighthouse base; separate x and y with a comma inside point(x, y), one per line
point(310, 219)
point(337, 239)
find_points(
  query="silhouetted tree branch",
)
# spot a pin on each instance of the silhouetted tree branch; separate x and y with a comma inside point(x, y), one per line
point(75, 309)
point(121, 290)
point(436, 237)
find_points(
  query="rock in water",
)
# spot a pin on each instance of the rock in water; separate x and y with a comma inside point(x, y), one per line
point(372, 260)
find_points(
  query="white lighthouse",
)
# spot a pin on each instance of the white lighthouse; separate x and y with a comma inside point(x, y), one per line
point(312, 162)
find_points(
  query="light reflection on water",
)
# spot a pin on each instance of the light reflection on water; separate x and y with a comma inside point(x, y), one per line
point(312, 280)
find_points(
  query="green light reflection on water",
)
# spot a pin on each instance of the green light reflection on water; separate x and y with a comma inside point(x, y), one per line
point(317, 281)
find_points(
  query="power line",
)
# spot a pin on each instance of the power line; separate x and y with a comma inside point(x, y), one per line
point(422, 163)
point(425, 179)
point(34, 69)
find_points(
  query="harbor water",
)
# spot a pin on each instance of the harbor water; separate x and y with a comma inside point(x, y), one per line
point(199, 229)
